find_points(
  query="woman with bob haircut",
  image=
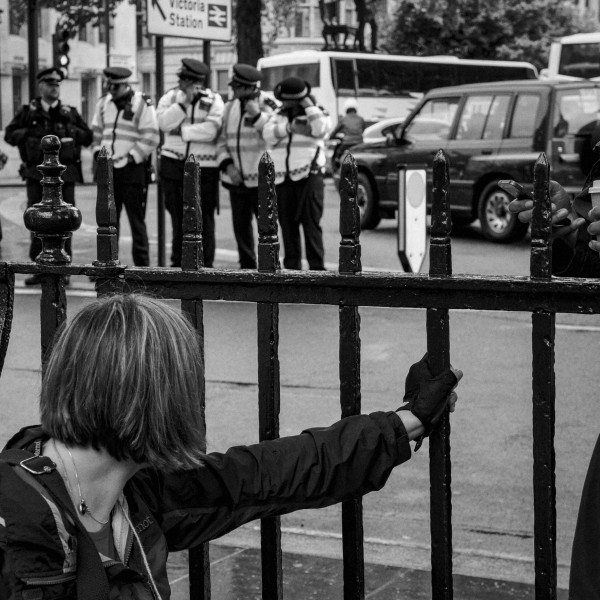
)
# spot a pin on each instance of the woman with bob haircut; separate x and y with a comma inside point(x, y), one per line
point(117, 475)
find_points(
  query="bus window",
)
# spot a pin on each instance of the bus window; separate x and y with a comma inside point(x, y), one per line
point(401, 78)
point(273, 75)
point(437, 75)
point(368, 73)
point(343, 76)
point(580, 60)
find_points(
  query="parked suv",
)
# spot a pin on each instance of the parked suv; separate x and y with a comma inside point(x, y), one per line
point(489, 132)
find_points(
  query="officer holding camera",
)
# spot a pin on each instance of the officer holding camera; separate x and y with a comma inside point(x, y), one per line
point(46, 115)
point(239, 148)
point(190, 115)
point(295, 135)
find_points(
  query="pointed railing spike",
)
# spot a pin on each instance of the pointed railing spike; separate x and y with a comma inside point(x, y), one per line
point(192, 254)
point(541, 221)
point(350, 249)
point(268, 242)
point(440, 249)
point(107, 237)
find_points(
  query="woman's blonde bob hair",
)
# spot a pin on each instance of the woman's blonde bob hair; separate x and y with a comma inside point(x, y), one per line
point(126, 375)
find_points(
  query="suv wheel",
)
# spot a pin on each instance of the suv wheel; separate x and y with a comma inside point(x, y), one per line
point(497, 223)
point(369, 214)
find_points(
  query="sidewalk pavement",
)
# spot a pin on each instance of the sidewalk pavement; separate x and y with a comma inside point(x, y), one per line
point(236, 575)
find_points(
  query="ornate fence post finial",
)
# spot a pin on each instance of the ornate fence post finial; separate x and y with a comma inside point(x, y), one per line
point(107, 240)
point(268, 242)
point(440, 249)
point(192, 253)
point(52, 219)
point(350, 251)
point(541, 221)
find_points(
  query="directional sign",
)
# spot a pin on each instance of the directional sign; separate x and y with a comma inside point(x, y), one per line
point(412, 218)
point(190, 19)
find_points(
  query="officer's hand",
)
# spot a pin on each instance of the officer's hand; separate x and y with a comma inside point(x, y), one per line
point(234, 174)
point(561, 209)
point(306, 102)
point(426, 396)
point(594, 227)
point(301, 128)
point(252, 107)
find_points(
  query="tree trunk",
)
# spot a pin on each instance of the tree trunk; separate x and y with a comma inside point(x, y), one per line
point(249, 40)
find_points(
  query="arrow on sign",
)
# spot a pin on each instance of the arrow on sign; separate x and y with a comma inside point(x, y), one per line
point(155, 4)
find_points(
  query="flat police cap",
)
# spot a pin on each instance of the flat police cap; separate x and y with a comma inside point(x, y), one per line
point(193, 69)
point(51, 71)
point(245, 75)
point(117, 74)
point(292, 88)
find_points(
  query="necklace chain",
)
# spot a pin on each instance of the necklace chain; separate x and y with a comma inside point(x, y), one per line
point(83, 508)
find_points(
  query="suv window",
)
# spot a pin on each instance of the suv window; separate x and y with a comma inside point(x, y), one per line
point(483, 117)
point(576, 111)
point(524, 116)
point(433, 121)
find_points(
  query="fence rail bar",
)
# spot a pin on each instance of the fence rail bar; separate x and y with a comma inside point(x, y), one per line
point(349, 372)
point(567, 296)
point(192, 259)
point(267, 315)
point(544, 393)
point(438, 349)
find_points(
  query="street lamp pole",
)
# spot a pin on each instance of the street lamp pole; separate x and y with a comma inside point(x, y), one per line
point(107, 30)
point(32, 45)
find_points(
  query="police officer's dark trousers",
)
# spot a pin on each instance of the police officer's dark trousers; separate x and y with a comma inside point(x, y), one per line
point(301, 203)
point(171, 177)
point(129, 182)
point(34, 196)
point(244, 206)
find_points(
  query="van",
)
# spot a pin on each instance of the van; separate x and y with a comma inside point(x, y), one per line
point(489, 132)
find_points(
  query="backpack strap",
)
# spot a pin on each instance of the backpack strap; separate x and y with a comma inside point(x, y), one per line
point(92, 583)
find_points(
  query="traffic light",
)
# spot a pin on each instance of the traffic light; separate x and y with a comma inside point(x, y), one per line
point(60, 41)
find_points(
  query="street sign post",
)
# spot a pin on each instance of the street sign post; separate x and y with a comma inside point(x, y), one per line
point(190, 19)
point(412, 218)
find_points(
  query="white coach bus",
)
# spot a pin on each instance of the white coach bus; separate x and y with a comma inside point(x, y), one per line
point(574, 56)
point(383, 85)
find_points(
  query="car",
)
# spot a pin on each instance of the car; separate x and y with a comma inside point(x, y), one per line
point(489, 132)
point(381, 129)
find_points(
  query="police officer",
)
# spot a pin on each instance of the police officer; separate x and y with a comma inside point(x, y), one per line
point(239, 148)
point(190, 115)
point(125, 124)
point(295, 135)
point(46, 115)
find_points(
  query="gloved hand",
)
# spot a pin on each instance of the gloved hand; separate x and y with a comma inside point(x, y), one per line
point(427, 396)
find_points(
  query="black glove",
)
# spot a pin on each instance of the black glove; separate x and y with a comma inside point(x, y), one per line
point(426, 395)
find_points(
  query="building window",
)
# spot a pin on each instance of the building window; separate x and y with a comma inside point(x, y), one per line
point(17, 90)
point(147, 84)
point(302, 22)
point(82, 33)
point(222, 83)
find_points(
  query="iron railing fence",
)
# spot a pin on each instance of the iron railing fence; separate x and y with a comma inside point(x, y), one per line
point(349, 289)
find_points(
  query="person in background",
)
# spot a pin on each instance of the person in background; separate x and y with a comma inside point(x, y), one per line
point(125, 124)
point(117, 475)
point(47, 115)
point(349, 131)
point(295, 136)
point(190, 115)
point(239, 148)
point(575, 253)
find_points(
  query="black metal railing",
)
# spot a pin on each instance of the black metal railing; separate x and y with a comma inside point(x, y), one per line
point(349, 289)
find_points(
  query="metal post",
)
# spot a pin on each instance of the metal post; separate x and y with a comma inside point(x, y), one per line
point(206, 52)
point(107, 29)
point(32, 45)
point(160, 90)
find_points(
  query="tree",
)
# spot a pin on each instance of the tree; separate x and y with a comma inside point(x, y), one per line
point(75, 14)
point(488, 29)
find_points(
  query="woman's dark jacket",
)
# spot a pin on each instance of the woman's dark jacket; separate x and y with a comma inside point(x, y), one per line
point(317, 468)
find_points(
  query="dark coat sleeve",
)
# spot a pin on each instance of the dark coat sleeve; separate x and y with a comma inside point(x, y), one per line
point(584, 583)
point(317, 468)
point(79, 130)
point(16, 130)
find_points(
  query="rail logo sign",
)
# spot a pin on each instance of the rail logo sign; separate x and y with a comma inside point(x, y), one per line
point(190, 19)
